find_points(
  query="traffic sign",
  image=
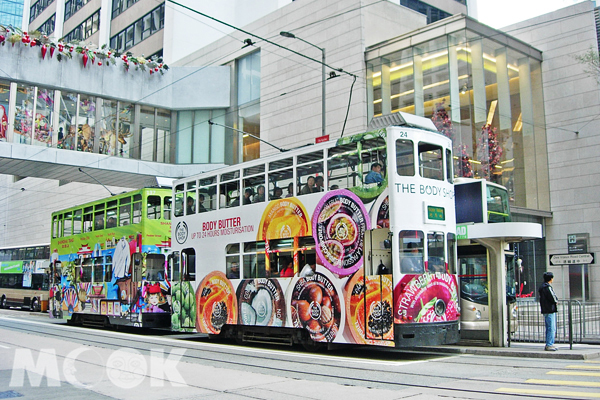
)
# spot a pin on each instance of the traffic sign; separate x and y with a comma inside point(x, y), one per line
point(566, 259)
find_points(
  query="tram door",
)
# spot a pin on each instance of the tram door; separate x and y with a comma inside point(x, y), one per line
point(183, 291)
point(378, 298)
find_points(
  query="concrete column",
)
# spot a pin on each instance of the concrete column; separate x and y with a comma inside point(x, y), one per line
point(56, 118)
point(105, 19)
point(418, 81)
point(496, 291)
point(59, 22)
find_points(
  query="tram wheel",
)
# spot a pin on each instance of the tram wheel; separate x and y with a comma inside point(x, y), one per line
point(3, 302)
point(312, 346)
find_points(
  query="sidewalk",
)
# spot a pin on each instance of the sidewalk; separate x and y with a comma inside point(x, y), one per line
point(520, 349)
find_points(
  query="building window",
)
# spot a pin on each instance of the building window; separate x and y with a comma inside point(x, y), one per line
point(139, 30)
point(37, 9)
point(48, 27)
point(198, 141)
point(72, 6)
point(86, 29)
point(119, 6)
point(433, 14)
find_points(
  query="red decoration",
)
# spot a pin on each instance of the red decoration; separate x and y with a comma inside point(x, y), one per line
point(490, 150)
point(442, 120)
point(14, 35)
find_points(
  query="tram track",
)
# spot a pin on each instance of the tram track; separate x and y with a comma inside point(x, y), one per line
point(296, 365)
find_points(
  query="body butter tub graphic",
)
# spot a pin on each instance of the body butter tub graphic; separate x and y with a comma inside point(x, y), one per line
point(261, 302)
point(316, 306)
point(339, 223)
point(216, 303)
point(284, 218)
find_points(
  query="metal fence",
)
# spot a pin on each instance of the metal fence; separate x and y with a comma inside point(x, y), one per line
point(577, 322)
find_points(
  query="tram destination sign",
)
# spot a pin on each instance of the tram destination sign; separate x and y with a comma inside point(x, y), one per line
point(567, 259)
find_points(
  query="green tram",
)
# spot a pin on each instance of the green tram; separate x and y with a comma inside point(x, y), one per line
point(109, 260)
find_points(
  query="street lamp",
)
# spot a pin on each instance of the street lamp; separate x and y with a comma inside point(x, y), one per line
point(292, 36)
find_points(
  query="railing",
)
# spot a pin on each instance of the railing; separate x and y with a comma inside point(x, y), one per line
point(577, 322)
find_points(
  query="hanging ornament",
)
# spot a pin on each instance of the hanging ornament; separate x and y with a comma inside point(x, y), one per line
point(85, 59)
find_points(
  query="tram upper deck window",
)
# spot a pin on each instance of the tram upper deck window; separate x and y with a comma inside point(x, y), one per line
point(373, 151)
point(342, 166)
point(449, 162)
point(153, 207)
point(179, 196)
point(497, 204)
point(431, 161)
point(88, 219)
point(207, 194)
point(405, 158)
point(411, 252)
point(125, 211)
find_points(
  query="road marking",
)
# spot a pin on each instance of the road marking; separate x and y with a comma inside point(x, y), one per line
point(592, 361)
point(574, 373)
point(550, 393)
point(583, 367)
point(4, 347)
point(564, 383)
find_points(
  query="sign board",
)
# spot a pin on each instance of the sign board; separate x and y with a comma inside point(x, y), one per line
point(568, 259)
point(462, 232)
point(436, 213)
point(321, 139)
point(577, 243)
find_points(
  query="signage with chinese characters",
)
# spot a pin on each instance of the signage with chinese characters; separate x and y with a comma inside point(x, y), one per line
point(322, 139)
point(569, 259)
point(436, 213)
point(577, 243)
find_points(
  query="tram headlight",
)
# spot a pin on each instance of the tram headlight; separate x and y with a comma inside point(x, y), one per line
point(478, 314)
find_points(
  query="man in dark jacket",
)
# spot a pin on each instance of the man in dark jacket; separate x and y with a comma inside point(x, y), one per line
point(548, 301)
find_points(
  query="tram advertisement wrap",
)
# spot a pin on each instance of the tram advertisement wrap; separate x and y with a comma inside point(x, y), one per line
point(431, 297)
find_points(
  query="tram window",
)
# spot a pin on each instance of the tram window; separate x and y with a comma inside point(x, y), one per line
point(341, 167)
point(111, 217)
point(280, 180)
point(108, 269)
point(309, 157)
point(77, 223)
point(68, 224)
point(207, 189)
point(167, 207)
point(405, 158)
point(281, 251)
point(85, 276)
point(99, 220)
point(451, 253)
point(190, 203)
point(188, 257)
point(411, 252)
point(155, 267)
point(153, 207)
point(430, 161)
point(88, 219)
point(174, 266)
point(304, 173)
point(449, 162)
point(257, 185)
point(230, 194)
point(125, 212)
point(254, 170)
point(232, 261)
point(54, 232)
point(280, 164)
point(254, 260)
point(59, 228)
point(373, 151)
point(435, 252)
point(98, 269)
point(137, 209)
point(179, 204)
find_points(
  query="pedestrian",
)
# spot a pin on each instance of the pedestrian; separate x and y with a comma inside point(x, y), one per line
point(548, 304)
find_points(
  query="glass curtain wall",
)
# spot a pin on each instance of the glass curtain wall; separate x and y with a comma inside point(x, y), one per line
point(248, 102)
point(485, 96)
point(198, 142)
point(88, 123)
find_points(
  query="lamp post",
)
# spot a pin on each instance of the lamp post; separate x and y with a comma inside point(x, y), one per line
point(291, 35)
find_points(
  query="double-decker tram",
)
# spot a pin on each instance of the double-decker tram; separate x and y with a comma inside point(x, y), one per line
point(349, 241)
point(24, 277)
point(109, 260)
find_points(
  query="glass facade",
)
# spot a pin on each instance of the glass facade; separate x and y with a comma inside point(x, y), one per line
point(248, 101)
point(88, 124)
point(11, 12)
point(484, 95)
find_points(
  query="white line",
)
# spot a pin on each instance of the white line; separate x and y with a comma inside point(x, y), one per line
point(4, 347)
